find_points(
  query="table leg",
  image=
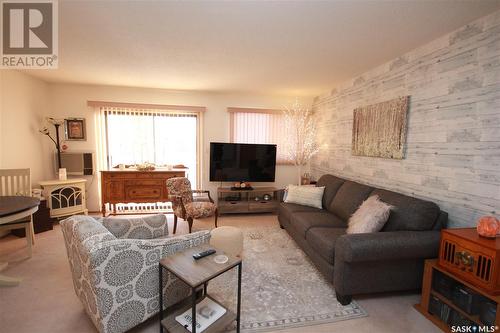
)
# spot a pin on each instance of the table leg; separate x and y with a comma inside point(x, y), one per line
point(193, 312)
point(6, 281)
point(205, 289)
point(238, 308)
point(160, 288)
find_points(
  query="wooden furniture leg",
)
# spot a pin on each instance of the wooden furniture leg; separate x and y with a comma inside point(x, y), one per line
point(28, 229)
point(103, 210)
point(190, 223)
point(175, 224)
point(32, 230)
point(216, 216)
point(6, 281)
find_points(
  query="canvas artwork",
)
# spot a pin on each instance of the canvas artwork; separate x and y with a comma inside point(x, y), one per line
point(379, 130)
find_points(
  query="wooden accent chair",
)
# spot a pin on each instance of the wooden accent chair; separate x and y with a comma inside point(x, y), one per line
point(185, 207)
point(18, 182)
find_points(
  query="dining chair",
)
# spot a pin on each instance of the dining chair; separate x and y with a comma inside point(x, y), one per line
point(15, 182)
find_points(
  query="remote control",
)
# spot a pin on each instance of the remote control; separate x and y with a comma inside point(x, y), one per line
point(200, 255)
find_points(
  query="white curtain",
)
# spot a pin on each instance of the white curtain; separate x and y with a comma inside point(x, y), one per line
point(134, 136)
point(261, 126)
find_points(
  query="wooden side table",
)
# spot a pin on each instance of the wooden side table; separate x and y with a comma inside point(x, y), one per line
point(197, 273)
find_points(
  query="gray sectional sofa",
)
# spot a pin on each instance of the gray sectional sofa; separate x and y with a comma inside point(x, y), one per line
point(389, 260)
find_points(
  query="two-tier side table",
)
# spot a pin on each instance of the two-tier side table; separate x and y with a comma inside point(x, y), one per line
point(197, 273)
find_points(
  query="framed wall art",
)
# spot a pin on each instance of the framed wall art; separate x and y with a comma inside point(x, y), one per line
point(74, 129)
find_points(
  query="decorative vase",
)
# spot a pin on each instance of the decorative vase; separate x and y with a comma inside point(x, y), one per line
point(62, 174)
point(488, 226)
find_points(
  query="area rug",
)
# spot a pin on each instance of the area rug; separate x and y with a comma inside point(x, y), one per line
point(281, 288)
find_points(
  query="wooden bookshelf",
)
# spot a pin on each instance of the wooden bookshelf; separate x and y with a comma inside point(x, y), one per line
point(431, 266)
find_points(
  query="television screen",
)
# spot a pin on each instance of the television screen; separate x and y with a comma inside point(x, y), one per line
point(232, 162)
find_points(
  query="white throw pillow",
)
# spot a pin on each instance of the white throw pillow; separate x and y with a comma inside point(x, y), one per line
point(305, 195)
point(371, 216)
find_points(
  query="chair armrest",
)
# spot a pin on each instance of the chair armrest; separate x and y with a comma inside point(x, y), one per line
point(387, 246)
point(126, 270)
point(147, 227)
point(204, 192)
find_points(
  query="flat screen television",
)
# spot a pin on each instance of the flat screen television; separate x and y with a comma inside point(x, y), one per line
point(232, 162)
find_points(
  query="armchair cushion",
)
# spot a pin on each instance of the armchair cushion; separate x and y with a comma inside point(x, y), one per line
point(393, 245)
point(147, 227)
point(198, 209)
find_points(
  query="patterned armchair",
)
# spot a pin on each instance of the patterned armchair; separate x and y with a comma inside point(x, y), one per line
point(185, 207)
point(114, 265)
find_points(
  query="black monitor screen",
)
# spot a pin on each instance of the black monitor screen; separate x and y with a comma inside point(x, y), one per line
point(242, 162)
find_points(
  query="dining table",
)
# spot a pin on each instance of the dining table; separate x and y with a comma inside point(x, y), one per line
point(12, 209)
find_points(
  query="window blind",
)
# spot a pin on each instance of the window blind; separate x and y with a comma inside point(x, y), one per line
point(260, 126)
point(135, 136)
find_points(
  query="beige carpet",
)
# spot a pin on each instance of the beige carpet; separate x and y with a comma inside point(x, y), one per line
point(45, 301)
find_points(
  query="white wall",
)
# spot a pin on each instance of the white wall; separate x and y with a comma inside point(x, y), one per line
point(453, 140)
point(24, 102)
point(71, 101)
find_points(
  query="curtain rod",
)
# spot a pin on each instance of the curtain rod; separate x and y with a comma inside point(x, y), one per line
point(146, 106)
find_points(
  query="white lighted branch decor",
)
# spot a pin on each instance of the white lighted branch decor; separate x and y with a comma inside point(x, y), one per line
point(301, 127)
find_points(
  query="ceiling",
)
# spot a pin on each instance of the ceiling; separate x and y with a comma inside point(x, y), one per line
point(300, 48)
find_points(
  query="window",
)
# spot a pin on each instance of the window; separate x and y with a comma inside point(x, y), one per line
point(135, 136)
point(259, 126)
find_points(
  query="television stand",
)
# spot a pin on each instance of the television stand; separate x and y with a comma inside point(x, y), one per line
point(247, 188)
point(255, 200)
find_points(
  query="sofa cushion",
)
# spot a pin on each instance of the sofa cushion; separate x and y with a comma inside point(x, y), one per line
point(303, 221)
point(348, 198)
point(305, 195)
point(332, 185)
point(371, 216)
point(323, 241)
point(408, 213)
point(286, 210)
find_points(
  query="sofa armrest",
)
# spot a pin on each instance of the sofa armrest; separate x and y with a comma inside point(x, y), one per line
point(147, 227)
point(392, 245)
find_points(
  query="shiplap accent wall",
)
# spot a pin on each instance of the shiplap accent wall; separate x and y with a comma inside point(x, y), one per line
point(453, 139)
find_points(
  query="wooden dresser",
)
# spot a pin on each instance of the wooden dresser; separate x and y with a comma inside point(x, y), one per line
point(132, 186)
